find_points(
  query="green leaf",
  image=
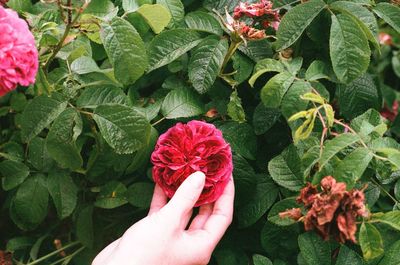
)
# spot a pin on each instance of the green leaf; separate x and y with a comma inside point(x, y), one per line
point(181, 103)
point(205, 22)
point(39, 113)
point(368, 122)
point(123, 128)
point(13, 174)
point(243, 67)
point(157, 16)
point(397, 190)
point(296, 20)
point(314, 250)
point(100, 8)
point(170, 45)
point(60, 141)
point(92, 97)
point(112, 195)
point(390, 218)
point(125, 49)
point(274, 90)
point(292, 102)
point(241, 138)
point(370, 242)
point(285, 169)
point(20, 5)
point(349, 48)
point(38, 156)
point(133, 5)
point(389, 13)
point(281, 206)
point(358, 96)
point(84, 65)
point(364, 18)
point(235, 108)
point(264, 118)
point(206, 62)
point(63, 191)
point(265, 66)
point(334, 146)
point(84, 226)
point(19, 243)
point(139, 194)
point(261, 260)
point(317, 70)
point(347, 256)
point(176, 10)
point(392, 255)
point(29, 206)
point(263, 198)
point(352, 167)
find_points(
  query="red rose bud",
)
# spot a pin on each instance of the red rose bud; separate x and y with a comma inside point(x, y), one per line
point(187, 148)
point(390, 113)
point(333, 211)
point(385, 39)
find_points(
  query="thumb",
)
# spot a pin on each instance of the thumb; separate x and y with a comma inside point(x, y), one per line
point(187, 194)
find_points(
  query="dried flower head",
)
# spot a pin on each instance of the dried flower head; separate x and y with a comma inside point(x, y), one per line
point(332, 211)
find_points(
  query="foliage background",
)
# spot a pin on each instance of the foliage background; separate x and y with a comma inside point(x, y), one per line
point(75, 146)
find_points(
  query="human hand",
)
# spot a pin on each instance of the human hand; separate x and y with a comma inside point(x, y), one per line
point(162, 238)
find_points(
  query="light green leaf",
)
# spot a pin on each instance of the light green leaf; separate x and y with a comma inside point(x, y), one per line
point(84, 65)
point(370, 241)
point(100, 8)
point(92, 97)
point(285, 169)
point(264, 66)
point(112, 195)
point(60, 141)
point(176, 9)
point(292, 102)
point(206, 62)
point(392, 255)
point(314, 250)
point(349, 48)
point(389, 13)
point(347, 256)
point(202, 21)
point(352, 167)
point(334, 146)
point(243, 66)
point(281, 206)
point(39, 113)
point(368, 122)
point(170, 45)
point(133, 5)
point(29, 205)
point(157, 16)
point(235, 108)
point(125, 49)
point(123, 128)
point(63, 191)
point(13, 173)
point(296, 20)
point(20, 5)
point(274, 90)
point(263, 198)
point(317, 70)
point(389, 218)
point(181, 103)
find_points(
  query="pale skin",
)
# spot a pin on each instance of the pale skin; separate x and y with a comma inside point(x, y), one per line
point(165, 236)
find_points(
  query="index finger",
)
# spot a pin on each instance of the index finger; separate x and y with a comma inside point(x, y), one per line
point(222, 214)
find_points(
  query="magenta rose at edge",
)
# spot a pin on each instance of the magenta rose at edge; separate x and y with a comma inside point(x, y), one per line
point(18, 54)
point(191, 147)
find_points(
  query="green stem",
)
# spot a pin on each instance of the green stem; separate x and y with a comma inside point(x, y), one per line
point(385, 191)
point(68, 257)
point(232, 48)
point(53, 253)
point(159, 121)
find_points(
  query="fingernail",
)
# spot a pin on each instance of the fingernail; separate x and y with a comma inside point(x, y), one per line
point(198, 179)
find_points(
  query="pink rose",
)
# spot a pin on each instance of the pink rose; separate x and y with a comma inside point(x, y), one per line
point(18, 53)
point(191, 147)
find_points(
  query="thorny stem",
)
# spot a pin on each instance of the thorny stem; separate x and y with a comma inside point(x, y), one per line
point(66, 31)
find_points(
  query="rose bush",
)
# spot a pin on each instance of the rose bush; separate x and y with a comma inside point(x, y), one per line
point(300, 90)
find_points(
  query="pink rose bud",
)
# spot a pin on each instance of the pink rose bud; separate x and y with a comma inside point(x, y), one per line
point(187, 148)
point(18, 53)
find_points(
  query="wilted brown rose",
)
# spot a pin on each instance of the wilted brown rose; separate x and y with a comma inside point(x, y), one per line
point(331, 212)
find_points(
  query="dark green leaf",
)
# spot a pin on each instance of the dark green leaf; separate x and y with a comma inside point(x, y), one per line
point(275, 89)
point(235, 108)
point(140, 194)
point(261, 260)
point(176, 9)
point(314, 250)
point(264, 118)
point(347, 256)
point(13, 173)
point(181, 103)
point(392, 255)
point(92, 97)
point(281, 206)
point(111, 195)
point(389, 13)
point(84, 226)
point(202, 21)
